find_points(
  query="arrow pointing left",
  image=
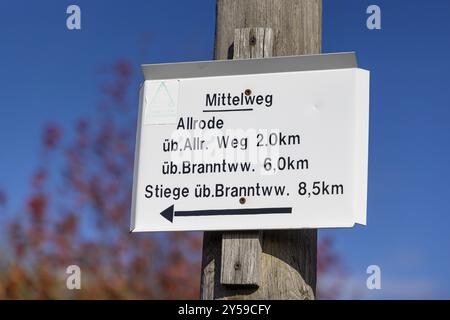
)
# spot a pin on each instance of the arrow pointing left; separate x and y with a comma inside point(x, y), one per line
point(169, 213)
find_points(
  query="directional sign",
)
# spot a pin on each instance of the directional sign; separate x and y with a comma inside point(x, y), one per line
point(278, 143)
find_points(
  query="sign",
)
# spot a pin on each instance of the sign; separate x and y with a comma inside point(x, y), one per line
point(278, 143)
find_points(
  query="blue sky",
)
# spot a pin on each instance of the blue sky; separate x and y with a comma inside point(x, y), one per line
point(48, 73)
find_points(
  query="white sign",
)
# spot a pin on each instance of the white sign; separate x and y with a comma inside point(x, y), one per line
point(240, 145)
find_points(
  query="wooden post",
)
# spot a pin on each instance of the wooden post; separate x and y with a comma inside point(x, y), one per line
point(263, 264)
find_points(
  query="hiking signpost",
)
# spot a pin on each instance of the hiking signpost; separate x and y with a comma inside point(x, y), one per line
point(258, 151)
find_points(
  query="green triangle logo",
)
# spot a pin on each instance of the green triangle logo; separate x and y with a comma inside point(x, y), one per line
point(162, 100)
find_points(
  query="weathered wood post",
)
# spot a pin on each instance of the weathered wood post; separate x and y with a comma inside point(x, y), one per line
point(263, 264)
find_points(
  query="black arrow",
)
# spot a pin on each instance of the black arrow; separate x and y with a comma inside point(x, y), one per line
point(169, 213)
